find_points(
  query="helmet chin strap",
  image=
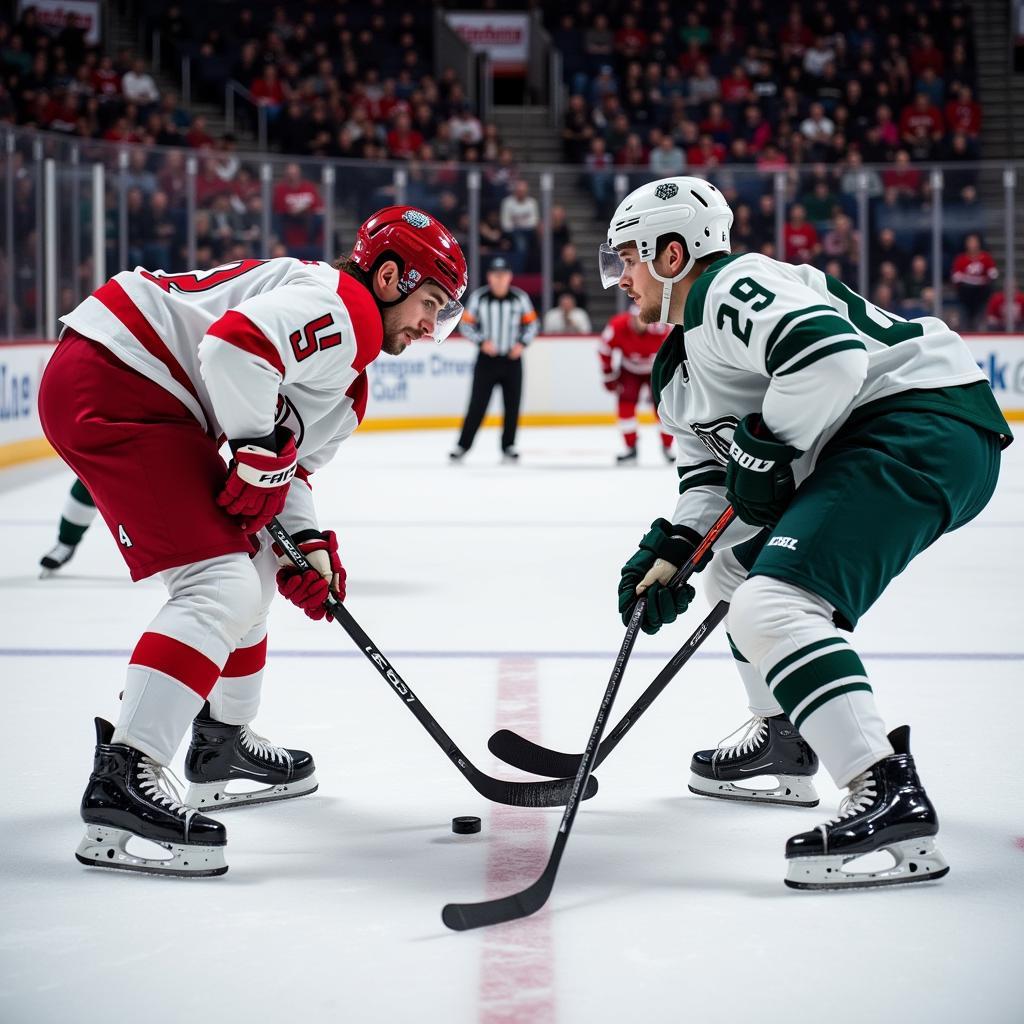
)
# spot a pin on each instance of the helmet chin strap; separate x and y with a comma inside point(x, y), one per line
point(667, 283)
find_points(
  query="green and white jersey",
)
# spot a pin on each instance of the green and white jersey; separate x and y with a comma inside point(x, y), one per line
point(806, 352)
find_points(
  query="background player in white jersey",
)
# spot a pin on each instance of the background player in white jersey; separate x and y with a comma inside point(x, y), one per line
point(848, 440)
point(154, 371)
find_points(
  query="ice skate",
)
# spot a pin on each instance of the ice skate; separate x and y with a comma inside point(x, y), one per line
point(509, 456)
point(886, 810)
point(59, 555)
point(628, 457)
point(768, 747)
point(457, 454)
point(130, 796)
point(668, 454)
point(223, 758)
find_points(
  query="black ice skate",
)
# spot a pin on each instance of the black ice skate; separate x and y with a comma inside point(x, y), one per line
point(887, 810)
point(668, 454)
point(60, 554)
point(129, 795)
point(769, 746)
point(509, 456)
point(628, 457)
point(220, 755)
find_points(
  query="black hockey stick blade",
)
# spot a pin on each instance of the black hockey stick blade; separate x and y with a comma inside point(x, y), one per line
point(553, 793)
point(461, 917)
point(528, 756)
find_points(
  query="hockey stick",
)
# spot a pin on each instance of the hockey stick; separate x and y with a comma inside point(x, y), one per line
point(518, 794)
point(528, 756)
point(462, 916)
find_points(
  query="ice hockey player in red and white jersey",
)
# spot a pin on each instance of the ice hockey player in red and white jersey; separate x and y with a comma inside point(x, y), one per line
point(154, 371)
point(627, 350)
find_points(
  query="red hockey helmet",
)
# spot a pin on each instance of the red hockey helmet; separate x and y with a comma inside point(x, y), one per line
point(428, 251)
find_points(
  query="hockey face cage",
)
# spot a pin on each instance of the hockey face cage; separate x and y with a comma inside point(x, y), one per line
point(428, 251)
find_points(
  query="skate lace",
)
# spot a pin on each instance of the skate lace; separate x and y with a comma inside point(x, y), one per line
point(755, 727)
point(262, 747)
point(162, 786)
point(861, 796)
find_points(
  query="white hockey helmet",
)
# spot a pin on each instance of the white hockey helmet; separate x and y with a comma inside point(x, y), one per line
point(689, 207)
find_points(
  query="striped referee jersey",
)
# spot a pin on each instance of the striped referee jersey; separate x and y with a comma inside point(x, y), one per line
point(504, 321)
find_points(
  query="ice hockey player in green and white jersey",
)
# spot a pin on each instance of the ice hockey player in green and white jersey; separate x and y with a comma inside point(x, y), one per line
point(819, 417)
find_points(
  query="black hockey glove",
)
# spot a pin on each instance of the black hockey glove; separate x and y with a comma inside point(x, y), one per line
point(759, 480)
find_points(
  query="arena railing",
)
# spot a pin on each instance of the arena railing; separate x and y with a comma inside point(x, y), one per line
point(74, 211)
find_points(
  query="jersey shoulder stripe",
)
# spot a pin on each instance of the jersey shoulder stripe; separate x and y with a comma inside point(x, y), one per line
point(808, 336)
point(365, 318)
point(237, 329)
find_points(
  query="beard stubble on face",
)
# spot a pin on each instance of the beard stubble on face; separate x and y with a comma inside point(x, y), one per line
point(396, 341)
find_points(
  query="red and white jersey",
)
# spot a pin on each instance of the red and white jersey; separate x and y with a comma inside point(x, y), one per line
point(247, 346)
point(979, 269)
point(636, 348)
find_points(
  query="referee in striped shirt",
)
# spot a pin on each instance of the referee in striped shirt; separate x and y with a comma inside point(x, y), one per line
point(502, 321)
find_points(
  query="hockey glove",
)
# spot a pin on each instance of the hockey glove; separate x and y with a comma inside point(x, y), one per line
point(308, 590)
point(258, 481)
point(759, 480)
point(611, 383)
point(662, 550)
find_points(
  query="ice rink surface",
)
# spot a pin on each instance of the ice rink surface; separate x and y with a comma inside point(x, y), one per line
point(492, 589)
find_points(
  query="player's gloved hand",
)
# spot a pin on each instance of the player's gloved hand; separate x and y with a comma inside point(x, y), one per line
point(258, 481)
point(759, 479)
point(308, 590)
point(612, 384)
point(662, 550)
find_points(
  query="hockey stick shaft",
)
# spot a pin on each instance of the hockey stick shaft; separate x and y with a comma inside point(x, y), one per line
point(522, 794)
point(462, 916)
point(528, 756)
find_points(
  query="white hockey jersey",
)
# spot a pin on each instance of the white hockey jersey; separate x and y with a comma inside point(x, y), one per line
point(806, 352)
point(247, 346)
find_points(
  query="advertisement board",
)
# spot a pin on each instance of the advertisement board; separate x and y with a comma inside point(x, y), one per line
point(428, 386)
point(505, 38)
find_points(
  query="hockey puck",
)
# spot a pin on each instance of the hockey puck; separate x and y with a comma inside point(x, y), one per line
point(466, 825)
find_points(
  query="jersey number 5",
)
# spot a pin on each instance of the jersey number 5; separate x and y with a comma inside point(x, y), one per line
point(311, 338)
point(749, 292)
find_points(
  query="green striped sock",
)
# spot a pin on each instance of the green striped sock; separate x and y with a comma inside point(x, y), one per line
point(815, 674)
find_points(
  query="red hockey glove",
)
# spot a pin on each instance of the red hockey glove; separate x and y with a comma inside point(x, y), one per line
point(257, 483)
point(308, 590)
point(611, 383)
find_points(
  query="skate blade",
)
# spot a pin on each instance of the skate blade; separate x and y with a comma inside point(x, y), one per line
point(211, 797)
point(105, 847)
point(790, 791)
point(916, 860)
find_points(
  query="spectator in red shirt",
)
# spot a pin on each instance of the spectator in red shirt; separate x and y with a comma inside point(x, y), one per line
point(799, 237)
point(717, 125)
point(736, 87)
point(404, 141)
point(707, 153)
point(630, 40)
point(997, 312)
point(974, 270)
point(921, 113)
point(197, 136)
point(926, 55)
point(297, 208)
point(905, 178)
point(106, 82)
point(269, 91)
point(963, 112)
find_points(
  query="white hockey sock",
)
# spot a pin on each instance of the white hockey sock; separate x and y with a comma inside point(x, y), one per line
point(759, 697)
point(813, 673)
point(236, 697)
point(156, 712)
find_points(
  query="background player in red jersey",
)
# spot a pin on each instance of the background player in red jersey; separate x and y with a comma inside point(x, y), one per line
point(627, 350)
point(154, 371)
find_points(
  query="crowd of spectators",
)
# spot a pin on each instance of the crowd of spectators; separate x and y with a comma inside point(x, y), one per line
point(730, 90)
point(821, 92)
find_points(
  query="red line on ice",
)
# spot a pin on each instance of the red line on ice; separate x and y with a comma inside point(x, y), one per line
point(517, 971)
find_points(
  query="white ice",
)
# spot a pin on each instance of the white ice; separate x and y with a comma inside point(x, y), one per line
point(492, 588)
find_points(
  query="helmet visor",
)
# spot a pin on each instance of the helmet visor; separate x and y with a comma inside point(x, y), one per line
point(610, 264)
point(447, 319)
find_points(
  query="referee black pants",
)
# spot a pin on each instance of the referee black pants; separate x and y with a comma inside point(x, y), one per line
point(491, 372)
